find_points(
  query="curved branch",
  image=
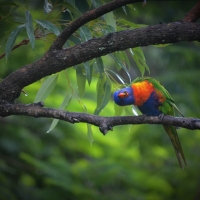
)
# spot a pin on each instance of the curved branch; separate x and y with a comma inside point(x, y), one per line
point(104, 123)
point(86, 17)
point(58, 60)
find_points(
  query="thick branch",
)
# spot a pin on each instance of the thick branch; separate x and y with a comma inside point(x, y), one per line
point(58, 60)
point(104, 123)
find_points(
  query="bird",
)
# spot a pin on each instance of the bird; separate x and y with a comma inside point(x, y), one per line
point(152, 99)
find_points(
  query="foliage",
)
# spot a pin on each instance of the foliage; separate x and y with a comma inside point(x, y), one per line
point(133, 162)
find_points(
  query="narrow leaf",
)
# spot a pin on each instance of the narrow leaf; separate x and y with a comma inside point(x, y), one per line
point(118, 109)
point(103, 93)
point(117, 75)
point(124, 9)
point(85, 33)
point(49, 26)
point(100, 66)
point(64, 104)
point(72, 9)
point(12, 38)
point(96, 3)
point(81, 80)
point(46, 88)
point(132, 25)
point(120, 64)
point(140, 60)
point(47, 7)
point(88, 71)
point(110, 20)
point(90, 133)
point(29, 28)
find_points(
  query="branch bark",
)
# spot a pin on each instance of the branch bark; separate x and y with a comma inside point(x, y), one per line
point(104, 123)
point(58, 60)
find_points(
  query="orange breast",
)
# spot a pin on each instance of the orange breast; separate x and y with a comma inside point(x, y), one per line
point(142, 91)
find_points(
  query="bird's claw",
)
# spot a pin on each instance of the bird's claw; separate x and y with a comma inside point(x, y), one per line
point(161, 116)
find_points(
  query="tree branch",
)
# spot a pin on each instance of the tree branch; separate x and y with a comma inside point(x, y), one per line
point(58, 60)
point(86, 17)
point(193, 14)
point(104, 123)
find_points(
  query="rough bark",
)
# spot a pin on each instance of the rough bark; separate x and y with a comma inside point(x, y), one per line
point(57, 59)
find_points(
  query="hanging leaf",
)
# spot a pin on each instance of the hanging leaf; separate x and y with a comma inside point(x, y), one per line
point(89, 128)
point(118, 109)
point(103, 93)
point(117, 75)
point(124, 9)
point(47, 7)
point(12, 38)
point(85, 33)
point(81, 80)
point(46, 88)
point(120, 64)
point(88, 71)
point(29, 28)
point(64, 104)
point(49, 26)
point(110, 20)
point(140, 60)
point(90, 133)
point(96, 3)
point(72, 9)
point(100, 66)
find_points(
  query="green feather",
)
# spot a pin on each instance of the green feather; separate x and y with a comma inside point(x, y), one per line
point(167, 108)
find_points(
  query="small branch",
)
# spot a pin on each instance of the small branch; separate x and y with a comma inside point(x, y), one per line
point(23, 42)
point(193, 14)
point(86, 17)
point(104, 123)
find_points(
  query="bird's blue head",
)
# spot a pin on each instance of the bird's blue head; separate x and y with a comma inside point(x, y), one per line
point(124, 97)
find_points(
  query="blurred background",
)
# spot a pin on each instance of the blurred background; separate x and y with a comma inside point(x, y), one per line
point(131, 162)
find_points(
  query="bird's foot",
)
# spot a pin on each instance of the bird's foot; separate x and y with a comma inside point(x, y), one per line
point(161, 116)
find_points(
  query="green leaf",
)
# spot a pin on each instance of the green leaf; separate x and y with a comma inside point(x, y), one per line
point(47, 7)
point(46, 88)
point(7, 3)
point(88, 70)
point(64, 104)
point(72, 2)
point(96, 3)
point(100, 66)
point(11, 40)
point(72, 9)
point(29, 28)
point(110, 20)
point(132, 25)
point(49, 26)
point(119, 64)
point(124, 9)
point(117, 75)
point(90, 133)
point(140, 60)
point(81, 80)
point(118, 109)
point(103, 93)
point(85, 33)
point(89, 128)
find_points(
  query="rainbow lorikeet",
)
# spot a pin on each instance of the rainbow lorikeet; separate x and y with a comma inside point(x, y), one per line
point(152, 99)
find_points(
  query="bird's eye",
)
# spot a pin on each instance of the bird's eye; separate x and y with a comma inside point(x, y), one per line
point(123, 94)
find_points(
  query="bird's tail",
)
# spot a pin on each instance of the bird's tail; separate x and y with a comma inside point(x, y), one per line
point(171, 131)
